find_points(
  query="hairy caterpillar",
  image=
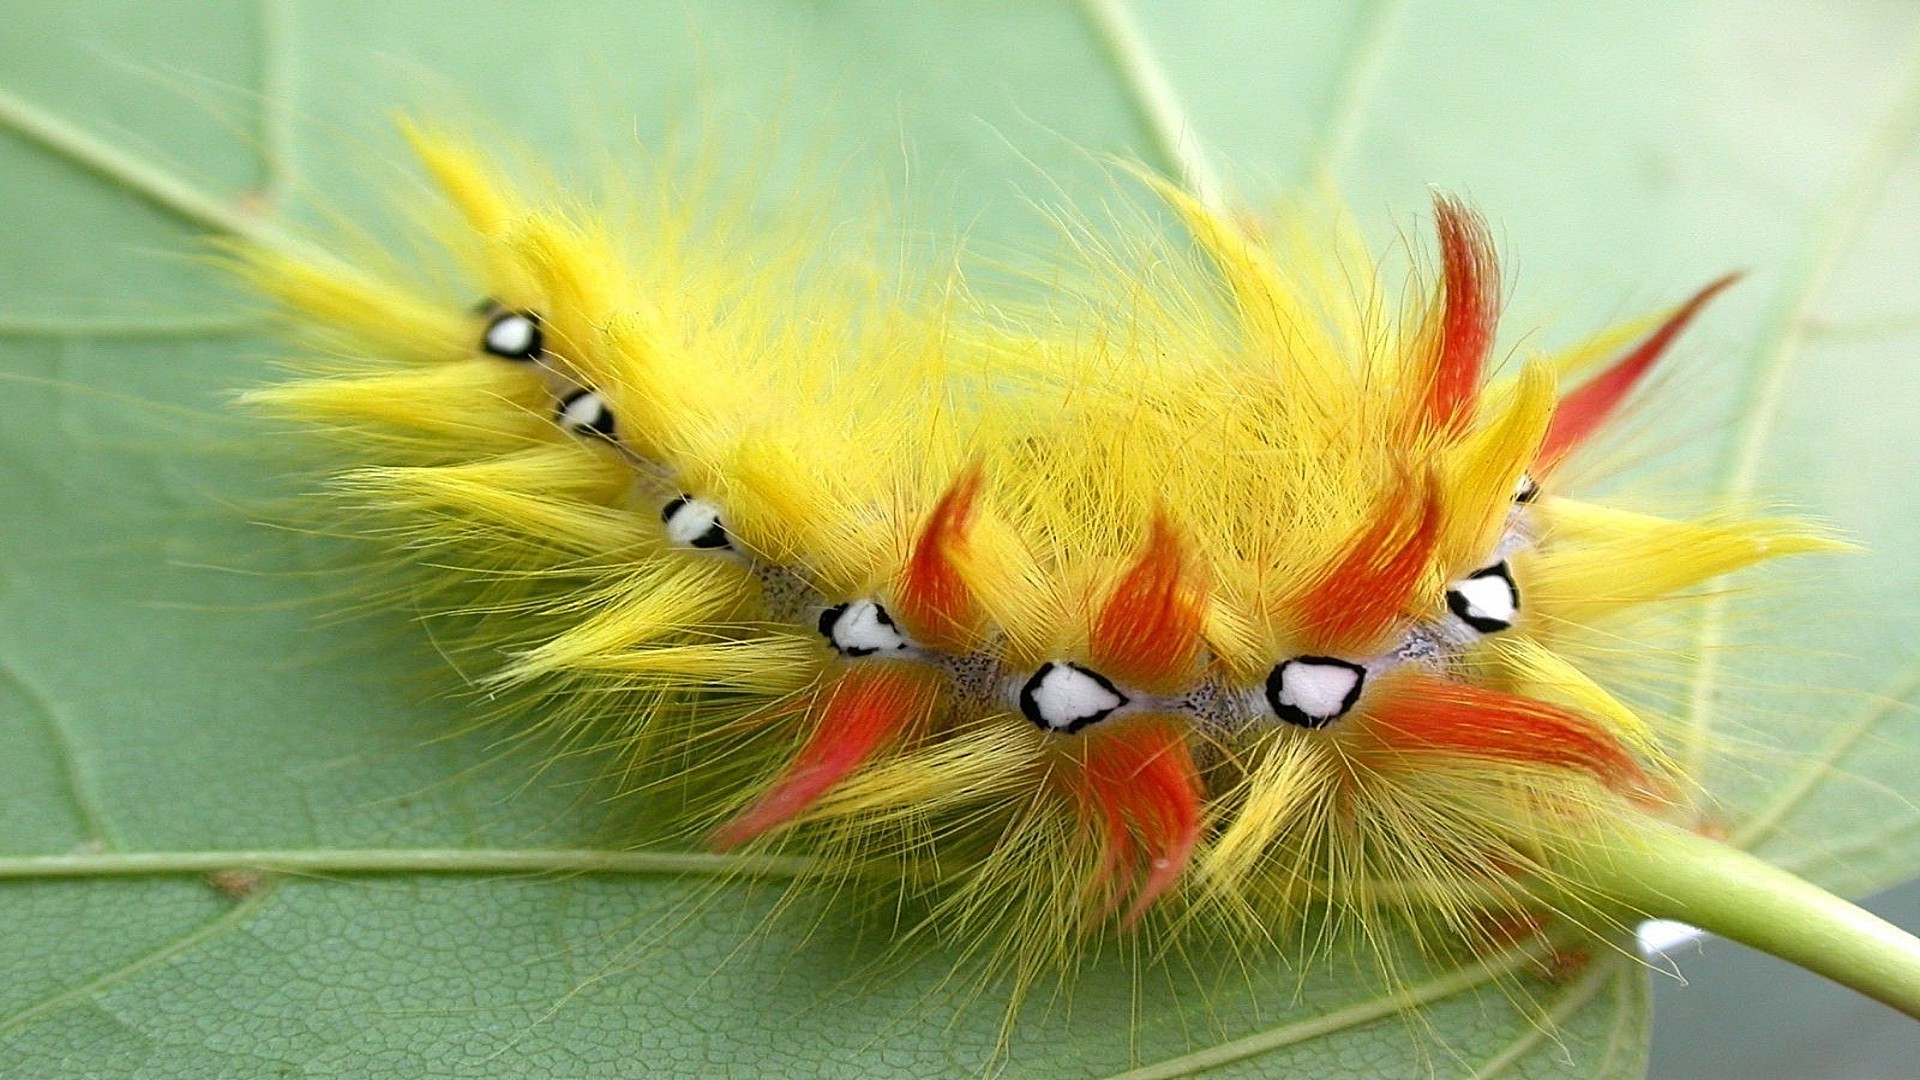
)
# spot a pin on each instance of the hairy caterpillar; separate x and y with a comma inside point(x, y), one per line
point(1657, 187)
point(1221, 592)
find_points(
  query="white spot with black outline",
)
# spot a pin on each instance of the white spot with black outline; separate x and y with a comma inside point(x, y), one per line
point(513, 335)
point(1486, 600)
point(861, 628)
point(585, 412)
point(1063, 697)
point(695, 523)
point(1314, 691)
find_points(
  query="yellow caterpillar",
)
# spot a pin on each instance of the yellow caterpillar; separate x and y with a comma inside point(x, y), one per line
point(1223, 587)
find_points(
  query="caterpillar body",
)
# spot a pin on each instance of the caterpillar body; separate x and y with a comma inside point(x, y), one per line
point(1219, 588)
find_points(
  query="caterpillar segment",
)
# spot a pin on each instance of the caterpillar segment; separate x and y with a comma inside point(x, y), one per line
point(1207, 586)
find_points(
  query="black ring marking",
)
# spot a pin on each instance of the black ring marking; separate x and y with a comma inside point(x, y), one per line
point(828, 619)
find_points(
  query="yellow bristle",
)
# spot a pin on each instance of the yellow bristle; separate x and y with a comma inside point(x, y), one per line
point(773, 664)
point(1245, 403)
point(466, 407)
point(1613, 559)
point(1538, 671)
point(657, 600)
point(378, 315)
point(1482, 469)
point(484, 204)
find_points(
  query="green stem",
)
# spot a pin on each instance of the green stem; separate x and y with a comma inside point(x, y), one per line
point(1668, 872)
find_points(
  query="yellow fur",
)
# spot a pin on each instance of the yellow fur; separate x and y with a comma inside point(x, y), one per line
point(1253, 394)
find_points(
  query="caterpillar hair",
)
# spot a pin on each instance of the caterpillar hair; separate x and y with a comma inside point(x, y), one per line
point(1226, 592)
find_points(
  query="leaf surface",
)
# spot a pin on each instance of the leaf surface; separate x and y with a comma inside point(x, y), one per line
point(168, 682)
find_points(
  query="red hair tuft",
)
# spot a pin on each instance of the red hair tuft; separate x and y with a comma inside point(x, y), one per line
point(1469, 306)
point(1426, 714)
point(856, 714)
point(1139, 785)
point(1148, 631)
point(933, 599)
point(1586, 410)
point(1359, 599)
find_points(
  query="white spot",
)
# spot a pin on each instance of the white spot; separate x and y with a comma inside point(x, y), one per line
point(1311, 691)
point(694, 523)
point(1658, 936)
point(585, 412)
point(512, 335)
point(1066, 697)
point(1486, 601)
point(862, 628)
point(1319, 690)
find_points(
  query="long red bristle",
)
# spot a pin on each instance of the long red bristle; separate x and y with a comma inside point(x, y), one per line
point(1358, 600)
point(1586, 410)
point(1469, 314)
point(932, 598)
point(858, 713)
point(1428, 714)
point(1148, 631)
point(1139, 782)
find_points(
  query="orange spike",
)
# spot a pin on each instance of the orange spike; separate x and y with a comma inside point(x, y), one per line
point(932, 599)
point(1429, 714)
point(1139, 784)
point(1469, 312)
point(858, 713)
point(1584, 411)
point(1148, 632)
point(1358, 600)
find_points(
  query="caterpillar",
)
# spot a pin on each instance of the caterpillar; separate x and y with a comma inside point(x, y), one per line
point(1222, 590)
point(204, 727)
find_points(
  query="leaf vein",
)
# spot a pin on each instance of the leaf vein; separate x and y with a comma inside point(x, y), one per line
point(1406, 999)
point(74, 775)
point(1155, 102)
point(207, 931)
point(1360, 73)
point(1543, 1027)
point(1826, 246)
point(1768, 819)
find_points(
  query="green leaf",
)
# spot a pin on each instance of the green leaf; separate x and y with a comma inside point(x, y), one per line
point(169, 682)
